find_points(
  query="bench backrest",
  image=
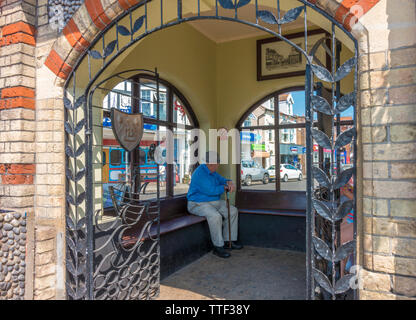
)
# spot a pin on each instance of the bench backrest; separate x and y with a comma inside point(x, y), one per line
point(283, 200)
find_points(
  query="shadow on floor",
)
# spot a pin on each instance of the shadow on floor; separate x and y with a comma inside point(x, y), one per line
point(249, 274)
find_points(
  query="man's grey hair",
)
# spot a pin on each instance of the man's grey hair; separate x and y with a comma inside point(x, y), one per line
point(212, 157)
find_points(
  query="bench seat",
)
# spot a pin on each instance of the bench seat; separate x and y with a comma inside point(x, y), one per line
point(183, 220)
point(266, 220)
point(274, 212)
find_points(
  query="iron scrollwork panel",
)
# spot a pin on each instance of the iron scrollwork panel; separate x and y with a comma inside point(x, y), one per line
point(325, 200)
point(127, 268)
point(76, 233)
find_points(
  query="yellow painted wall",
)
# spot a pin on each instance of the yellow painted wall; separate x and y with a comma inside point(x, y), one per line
point(186, 59)
point(238, 88)
point(219, 80)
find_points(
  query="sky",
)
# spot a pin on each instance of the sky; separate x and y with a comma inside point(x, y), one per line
point(299, 106)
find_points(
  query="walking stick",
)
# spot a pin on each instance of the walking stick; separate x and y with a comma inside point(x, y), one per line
point(229, 220)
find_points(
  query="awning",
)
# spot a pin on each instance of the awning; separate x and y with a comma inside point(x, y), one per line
point(291, 149)
point(261, 154)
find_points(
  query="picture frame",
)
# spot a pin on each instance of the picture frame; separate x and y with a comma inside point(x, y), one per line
point(276, 59)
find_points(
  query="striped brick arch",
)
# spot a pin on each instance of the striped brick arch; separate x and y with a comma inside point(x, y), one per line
point(94, 15)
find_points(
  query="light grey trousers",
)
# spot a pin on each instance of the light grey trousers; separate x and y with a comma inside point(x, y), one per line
point(215, 212)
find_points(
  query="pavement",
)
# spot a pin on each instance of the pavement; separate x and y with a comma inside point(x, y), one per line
point(249, 274)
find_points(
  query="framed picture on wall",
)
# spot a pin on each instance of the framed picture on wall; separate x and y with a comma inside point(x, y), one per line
point(277, 59)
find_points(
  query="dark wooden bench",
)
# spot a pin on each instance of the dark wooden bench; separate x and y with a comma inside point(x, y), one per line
point(268, 220)
point(173, 216)
point(183, 237)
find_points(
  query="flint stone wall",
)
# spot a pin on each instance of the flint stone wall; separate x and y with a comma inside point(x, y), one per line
point(12, 255)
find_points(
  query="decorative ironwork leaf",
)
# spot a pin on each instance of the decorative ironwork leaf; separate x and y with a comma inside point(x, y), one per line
point(322, 280)
point(291, 15)
point(344, 138)
point(81, 247)
point(68, 104)
point(267, 17)
point(343, 284)
point(95, 54)
point(80, 175)
point(71, 244)
point(69, 128)
point(79, 102)
point(345, 102)
point(242, 3)
point(69, 152)
point(322, 73)
point(343, 178)
point(345, 69)
point(322, 248)
point(226, 4)
point(80, 223)
point(322, 209)
point(321, 177)
point(82, 268)
point(320, 104)
point(80, 150)
point(343, 210)
point(344, 251)
point(80, 198)
point(316, 46)
point(79, 126)
point(70, 199)
point(70, 223)
point(138, 24)
point(81, 292)
point(70, 268)
point(69, 174)
point(321, 138)
point(123, 30)
point(69, 291)
point(109, 49)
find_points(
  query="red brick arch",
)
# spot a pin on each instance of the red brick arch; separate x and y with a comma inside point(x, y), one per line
point(94, 15)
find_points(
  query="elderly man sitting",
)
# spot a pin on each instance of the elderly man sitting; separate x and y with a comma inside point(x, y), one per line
point(204, 194)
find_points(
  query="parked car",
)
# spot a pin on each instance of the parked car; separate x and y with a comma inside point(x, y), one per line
point(272, 172)
point(252, 171)
point(287, 171)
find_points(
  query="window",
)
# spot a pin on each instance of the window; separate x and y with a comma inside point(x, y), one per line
point(267, 144)
point(115, 157)
point(173, 115)
point(146, 101)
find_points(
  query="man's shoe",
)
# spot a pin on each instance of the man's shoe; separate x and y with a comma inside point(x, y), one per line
point(234, 245)
point(220, 252)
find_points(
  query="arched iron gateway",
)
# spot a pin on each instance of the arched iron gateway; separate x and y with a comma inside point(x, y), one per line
point(87, 277)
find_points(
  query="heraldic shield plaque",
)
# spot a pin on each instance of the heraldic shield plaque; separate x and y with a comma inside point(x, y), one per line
point(127, 128)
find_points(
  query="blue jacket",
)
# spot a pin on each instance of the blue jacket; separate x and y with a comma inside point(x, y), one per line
point(205, 185)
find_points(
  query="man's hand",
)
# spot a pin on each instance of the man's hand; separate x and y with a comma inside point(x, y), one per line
point(230, 186)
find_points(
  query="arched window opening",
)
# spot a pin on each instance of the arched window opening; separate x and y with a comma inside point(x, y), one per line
point(273, 143)
point(173, 119)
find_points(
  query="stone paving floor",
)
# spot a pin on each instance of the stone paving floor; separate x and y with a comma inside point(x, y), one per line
point(249, 274)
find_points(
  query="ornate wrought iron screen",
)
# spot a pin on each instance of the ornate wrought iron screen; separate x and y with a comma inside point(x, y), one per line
point(86, 278)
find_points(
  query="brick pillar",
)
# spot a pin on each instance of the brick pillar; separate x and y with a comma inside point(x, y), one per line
point(388, 142)
point(17, 112)
point(49, 271)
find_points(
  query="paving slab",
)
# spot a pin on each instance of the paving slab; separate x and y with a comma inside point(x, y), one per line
point(249, 274)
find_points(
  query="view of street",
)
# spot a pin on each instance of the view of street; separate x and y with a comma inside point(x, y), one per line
point(291, 185)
